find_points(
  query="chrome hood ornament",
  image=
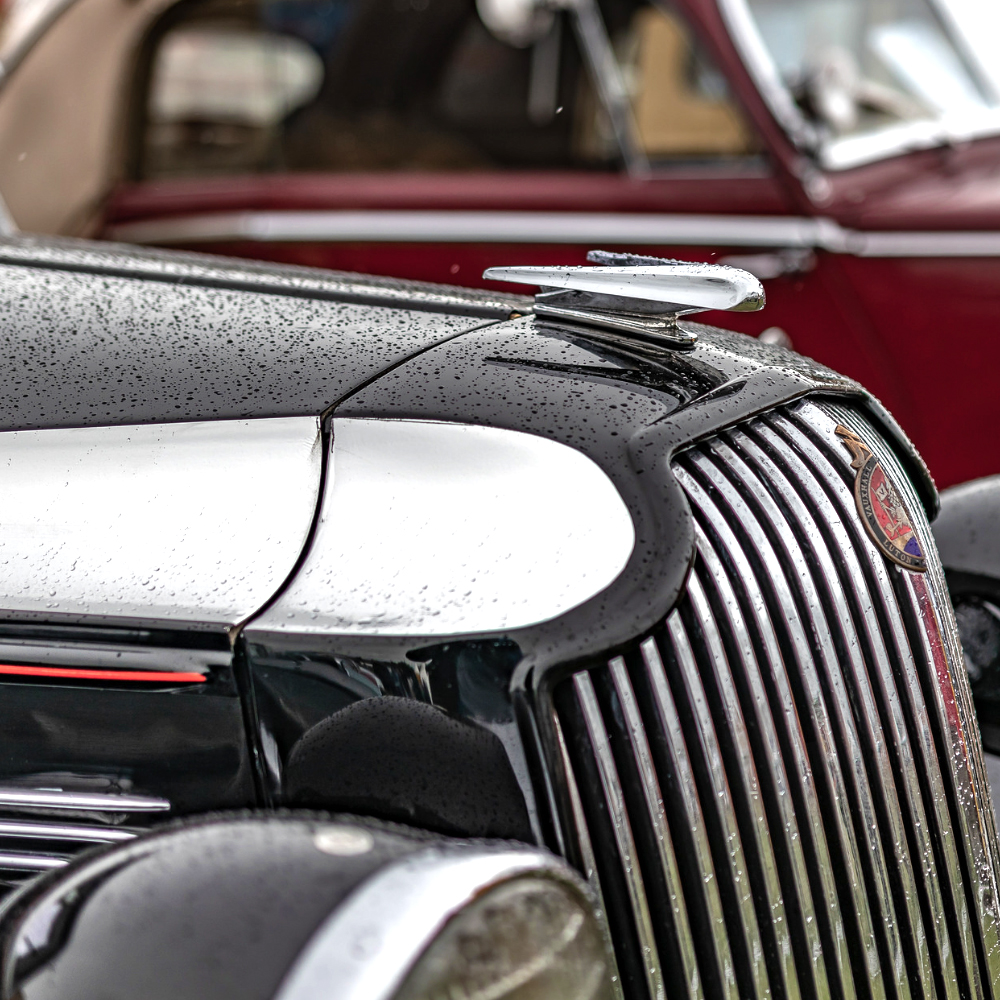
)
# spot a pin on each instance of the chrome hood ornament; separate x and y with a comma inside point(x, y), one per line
point(637, 295)
point(883, 511)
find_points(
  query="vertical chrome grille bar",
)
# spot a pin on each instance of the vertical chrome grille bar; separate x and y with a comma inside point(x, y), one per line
point(587, 854)
point(828, 756)
point(951, 701)
point(719, 797)
point(916, 757)
point(680, 765)
point(591, 710)
point(785, 831)
point(882, 774)
point(785, 713)
point(794, 746)
point(657, 816)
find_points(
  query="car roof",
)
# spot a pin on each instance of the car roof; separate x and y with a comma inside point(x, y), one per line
point(97, 334)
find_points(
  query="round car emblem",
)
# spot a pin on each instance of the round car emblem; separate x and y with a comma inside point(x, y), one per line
point(883, 511)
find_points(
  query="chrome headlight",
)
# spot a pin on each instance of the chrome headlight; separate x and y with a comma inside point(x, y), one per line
point(460, 922)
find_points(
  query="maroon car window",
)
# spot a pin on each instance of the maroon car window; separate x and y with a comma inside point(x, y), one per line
point(328, 85)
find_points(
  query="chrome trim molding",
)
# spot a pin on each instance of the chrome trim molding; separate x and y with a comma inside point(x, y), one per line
point(623, 833)
point(648, 229)
point(64, 831)
point(371, 942)
point(789, 747)
point(78, 503)
point(56, 799)
point(454, 528)
point(31, 862)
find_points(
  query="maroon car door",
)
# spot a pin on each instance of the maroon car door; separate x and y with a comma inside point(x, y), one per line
point(422, 138)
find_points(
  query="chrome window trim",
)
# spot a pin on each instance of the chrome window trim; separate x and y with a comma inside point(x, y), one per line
point(843, 154)
point(369, 944)
point(640, 228)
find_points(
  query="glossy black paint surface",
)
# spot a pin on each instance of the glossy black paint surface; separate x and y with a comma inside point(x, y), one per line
point(98, 335)
point(219, 909)
point(91, 337)
point(629, 408)
point(184, 743)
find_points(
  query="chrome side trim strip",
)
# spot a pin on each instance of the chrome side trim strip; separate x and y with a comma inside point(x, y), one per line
point(785, 713)
point(458, 226)
point(641, 228)
point(587, 855)
point(680, 766)
point(31, 862)
point(64, 831)
point(658, 818)
point(366, 946)
point(907, 702)
point(718, 796)
point(587, 699)
point(35, 798)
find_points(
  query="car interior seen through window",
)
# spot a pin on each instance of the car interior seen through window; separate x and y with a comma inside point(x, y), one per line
point(326, 85)
point(856, 67)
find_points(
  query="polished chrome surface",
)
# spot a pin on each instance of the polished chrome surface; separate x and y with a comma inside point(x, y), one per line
point(721, 971)
point(366, 947)
point(679, 288)
point(31, 862)
point(433, 528)
point(654, 803)
point(144, 521)
point(796, 722)
point(56, 799)
point(110, 656)
point(623, 832)
point(64, 831)
point(890, 653)
point(925, 597)
point(587, 853)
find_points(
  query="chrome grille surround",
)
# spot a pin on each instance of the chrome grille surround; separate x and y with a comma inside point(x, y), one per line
point(774, 791)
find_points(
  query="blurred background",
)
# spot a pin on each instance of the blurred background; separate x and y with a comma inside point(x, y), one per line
point(847, 152)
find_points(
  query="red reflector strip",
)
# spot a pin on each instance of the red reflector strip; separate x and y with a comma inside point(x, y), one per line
point(76, 674)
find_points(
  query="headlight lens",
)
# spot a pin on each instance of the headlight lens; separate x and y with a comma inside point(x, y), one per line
point(527, 939)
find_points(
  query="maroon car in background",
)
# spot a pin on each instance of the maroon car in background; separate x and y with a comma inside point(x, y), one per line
point(845, 151)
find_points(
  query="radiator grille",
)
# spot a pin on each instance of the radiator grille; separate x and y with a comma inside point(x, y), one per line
point(773, 791)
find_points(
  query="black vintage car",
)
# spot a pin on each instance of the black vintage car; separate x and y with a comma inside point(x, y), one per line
point(373, 598)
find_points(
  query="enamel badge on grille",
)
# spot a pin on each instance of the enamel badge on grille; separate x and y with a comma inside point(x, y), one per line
point(882, 510)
